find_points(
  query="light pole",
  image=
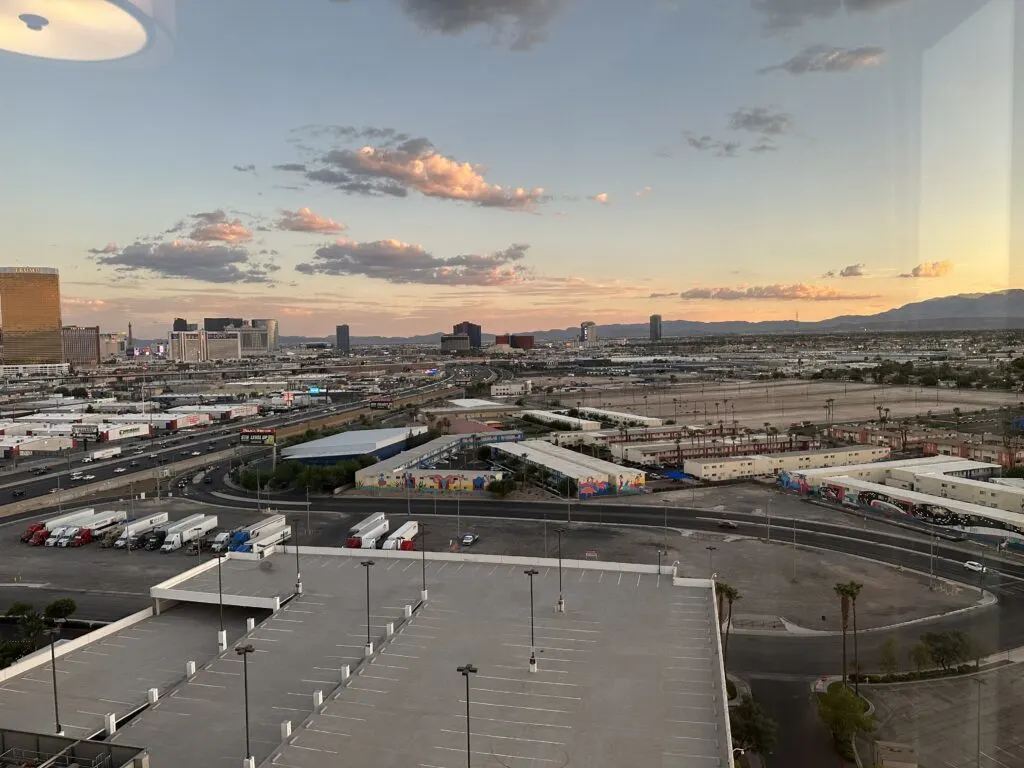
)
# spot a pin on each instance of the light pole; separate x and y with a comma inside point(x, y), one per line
point(298, 568)
point(222, 635)
point(711, 561)
point(244, 651)
point(561, 600)
point(367, 564)
point(660, 553)
point(531, 572)
point(199, 543)
point(54, 633)
point(467, 670)
point(423, 560)
point(980, 683)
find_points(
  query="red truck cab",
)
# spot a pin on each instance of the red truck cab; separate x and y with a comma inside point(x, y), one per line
point(39, 537)
point(31, 531)
point(84, 537)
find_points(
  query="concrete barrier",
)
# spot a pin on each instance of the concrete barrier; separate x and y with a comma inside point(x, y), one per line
point(39, 659)
point(121, 481)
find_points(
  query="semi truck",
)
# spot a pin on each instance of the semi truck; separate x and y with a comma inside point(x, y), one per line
point(137, 528)
point(155, 538)
point(244, 535)
point(221, 541)
point(58, 521)
point(364, 534)
point(105, 453)
point(91, 528)
point(179, 536)
point(267, 538)
point(402, 538)
point(52, 537)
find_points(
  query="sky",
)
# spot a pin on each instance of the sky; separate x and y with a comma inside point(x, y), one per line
point(403, 165)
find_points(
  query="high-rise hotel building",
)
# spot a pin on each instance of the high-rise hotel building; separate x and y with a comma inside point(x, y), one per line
point(30, 315)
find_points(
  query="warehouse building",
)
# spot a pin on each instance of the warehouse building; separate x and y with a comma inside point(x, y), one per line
point(382, 443)
point(809, 480)
point(512, 388)
point(676, 452)
point(218, 412)
point(591, 476)
point(740, 467)
point(563, 420)
point(620, 417)
point(469, 408)
point(414, 469)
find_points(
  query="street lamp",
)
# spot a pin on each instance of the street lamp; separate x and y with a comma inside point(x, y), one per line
point(531, 572)
point(367, 564)
point(561, 600)
point(711, 561)
point(467, 670)
point(660, 553)
point(54, 633)
point(423, 560)
point(298, 569)
point(222, 635)
point(244, 651)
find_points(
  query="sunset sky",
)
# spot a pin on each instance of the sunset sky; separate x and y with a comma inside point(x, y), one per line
point(401, 165)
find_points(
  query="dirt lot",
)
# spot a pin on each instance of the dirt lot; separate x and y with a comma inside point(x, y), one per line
point(780, 403)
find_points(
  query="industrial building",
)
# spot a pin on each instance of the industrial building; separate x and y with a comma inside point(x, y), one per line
point(381, 443)
point(30, 316)
point(224, 412)
point(11, 446)
point(721, 469)
point(469, 408)
point(512, 388)
point(620, 417)
point(591, 476)
point(414, 469)
point(703, 445)
point(563, 420)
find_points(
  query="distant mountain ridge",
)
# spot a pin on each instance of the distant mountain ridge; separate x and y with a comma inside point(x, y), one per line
point(1001, 310)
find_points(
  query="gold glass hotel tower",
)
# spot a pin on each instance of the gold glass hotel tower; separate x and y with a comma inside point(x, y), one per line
point(30, 315)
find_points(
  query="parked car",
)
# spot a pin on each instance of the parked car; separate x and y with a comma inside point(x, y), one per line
point(469, 539)
point(971, 565)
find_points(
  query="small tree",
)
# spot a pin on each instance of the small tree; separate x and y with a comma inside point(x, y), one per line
point(920, 656)
point(947, 649)
point(19, 609)
point(842, 712)
point(60, 609)
point(890, 656)
point(751, 729)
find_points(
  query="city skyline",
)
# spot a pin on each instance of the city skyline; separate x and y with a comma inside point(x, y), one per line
point(731, 173)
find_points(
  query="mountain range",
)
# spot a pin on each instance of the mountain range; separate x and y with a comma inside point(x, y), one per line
point(963, 312)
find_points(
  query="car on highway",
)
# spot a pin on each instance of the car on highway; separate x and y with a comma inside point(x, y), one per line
point(120, 470)
point(88, 477)
point(53, 490)
point(133, 463)
point(727, 524)
point(972, 565)
point(17, 494)
point(470, 539)
point(196, 453)
point(87, 460)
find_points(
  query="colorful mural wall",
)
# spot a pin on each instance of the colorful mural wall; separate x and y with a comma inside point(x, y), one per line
point(444, 481)
point(594, 486)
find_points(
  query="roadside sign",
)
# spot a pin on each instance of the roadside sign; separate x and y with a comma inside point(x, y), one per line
point(257, 436)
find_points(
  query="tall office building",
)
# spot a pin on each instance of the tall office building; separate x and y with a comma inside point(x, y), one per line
point(470, 329)
point(81, 344)
point(342, 341)
point(655, 327)
point(30, 314)
point(180, 324)
point(220, 323)
point(588, 333)
point(270, 326)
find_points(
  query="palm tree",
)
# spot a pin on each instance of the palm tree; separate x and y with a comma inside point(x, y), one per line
point(679, 451)
point(842, 590)
point(731, 595)
point(956, 415)
point(853, 589)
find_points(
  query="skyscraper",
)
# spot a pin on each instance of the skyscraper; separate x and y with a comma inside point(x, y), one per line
point(220, 323)
point(655, 327)
point(588, 333)
point(470, 329)
point(270, 326)
point(30, 314)
point(342, 343)
point(180, 324)
point(81, 344)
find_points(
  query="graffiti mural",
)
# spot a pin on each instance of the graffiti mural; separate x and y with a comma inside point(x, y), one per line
point(594, 487)
point(792, 481)
point(631, 483)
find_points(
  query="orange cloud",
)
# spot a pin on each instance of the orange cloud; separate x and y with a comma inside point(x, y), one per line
point(600, 197)
point(777, 292)
point(217, 227)
point(304, 220)
point(930, 269)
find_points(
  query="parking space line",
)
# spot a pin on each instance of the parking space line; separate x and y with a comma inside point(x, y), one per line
point(368, 690)
point(329, 733)
point(513, 722)
point(549, 647)
point(509, 738)
point(289, 709)
point(320, 682)
point(540, 670)
point(206, 685)
point(388, 666)
point(617, 583)
point(215, 672)
point(410, 565)
point(290, 621)
point(518, 680)
point(380, 677)
point(115, 701)
point(516, 706)
point(343, 717)
point(529, 693)
point(401, 655)
point(271, 629)
point(691, 757)
point(496, 754)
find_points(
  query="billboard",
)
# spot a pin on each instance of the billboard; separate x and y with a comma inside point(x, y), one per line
point(90, 431)
point(257, 436)
point(314, 390)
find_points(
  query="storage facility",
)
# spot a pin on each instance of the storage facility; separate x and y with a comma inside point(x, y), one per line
point(223, 412)
point(26, 446)
point(739, 467)
point(592, 476)
point(621, 417)
point(808, 480)
point(561, 419)
point(382, 443)
point(470, 408)
point(677, 452)
point(414, 470)
point(512, 388)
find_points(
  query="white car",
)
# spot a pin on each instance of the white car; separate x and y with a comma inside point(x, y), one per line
point(971, 565)
point(119, 470)
point(88, 477)
point(87, 460)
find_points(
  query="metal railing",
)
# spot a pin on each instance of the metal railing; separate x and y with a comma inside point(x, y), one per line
point(26, 758)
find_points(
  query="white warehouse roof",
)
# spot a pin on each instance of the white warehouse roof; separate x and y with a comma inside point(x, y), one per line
point(473, 402)
point(563, 461)
point(354, 443)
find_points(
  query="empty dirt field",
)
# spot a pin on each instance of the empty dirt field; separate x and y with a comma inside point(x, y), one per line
point(780, 403)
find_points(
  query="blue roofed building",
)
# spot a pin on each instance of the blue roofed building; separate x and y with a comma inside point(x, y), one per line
point(382, 443)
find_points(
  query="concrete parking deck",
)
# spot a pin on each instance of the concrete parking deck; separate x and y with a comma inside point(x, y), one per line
point(113, 674)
